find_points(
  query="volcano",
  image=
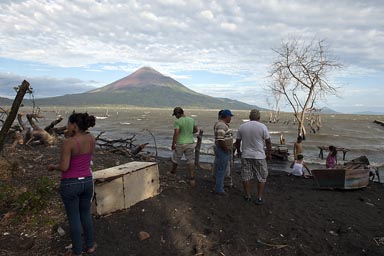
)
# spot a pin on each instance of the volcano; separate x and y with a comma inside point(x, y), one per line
point(145, 77)
point(145, 87)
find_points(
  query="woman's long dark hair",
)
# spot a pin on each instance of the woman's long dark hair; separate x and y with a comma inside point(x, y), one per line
point(83, 120)
point(333, 150)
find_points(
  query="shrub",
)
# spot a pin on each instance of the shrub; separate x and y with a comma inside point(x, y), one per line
point(36, 197)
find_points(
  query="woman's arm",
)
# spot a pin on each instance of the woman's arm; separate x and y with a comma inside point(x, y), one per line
point(65, 158)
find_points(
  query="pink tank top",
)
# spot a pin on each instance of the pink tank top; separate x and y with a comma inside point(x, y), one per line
point(79, 165)
point(331, 162)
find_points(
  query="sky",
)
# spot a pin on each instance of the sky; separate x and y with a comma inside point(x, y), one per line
point(222, 48)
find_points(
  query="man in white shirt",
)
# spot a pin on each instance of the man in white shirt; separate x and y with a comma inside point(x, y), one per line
point(252, 136)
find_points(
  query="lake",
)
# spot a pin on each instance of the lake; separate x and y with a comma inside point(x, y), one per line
point(155, 126)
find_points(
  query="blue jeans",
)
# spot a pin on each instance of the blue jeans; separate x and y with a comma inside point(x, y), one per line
point(76, 195)
point(221, 164)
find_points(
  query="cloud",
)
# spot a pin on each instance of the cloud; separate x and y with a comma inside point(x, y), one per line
point(207, 14)
point(86, 32)
point(223, 37)
point(42, 86)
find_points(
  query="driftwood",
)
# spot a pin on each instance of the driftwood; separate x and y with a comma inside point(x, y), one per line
point(37, 133)
point(279, 152)
point(379, 122)
point(22, 134)
point(109, 143)
point(125, 151)
point(197, 148)
point(138, 149)
point(24, 88)
point(26, 135)
point(120, 146)
point(52, 129)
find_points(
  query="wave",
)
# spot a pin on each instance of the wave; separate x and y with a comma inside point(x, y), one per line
point(101, 117)
point(278, 132)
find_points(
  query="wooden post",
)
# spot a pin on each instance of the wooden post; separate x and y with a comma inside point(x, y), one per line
point(197, 148)
point(13, 113)
point(321, 154)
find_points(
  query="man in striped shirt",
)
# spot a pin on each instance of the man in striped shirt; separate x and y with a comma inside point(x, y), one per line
point(223, 144)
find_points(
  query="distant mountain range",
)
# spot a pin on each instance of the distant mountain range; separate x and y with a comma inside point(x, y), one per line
point(326, 110)
point(369, 113)
point(5, 101)
point(145, 87)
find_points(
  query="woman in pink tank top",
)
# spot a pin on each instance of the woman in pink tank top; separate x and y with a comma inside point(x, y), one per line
point(76, 187)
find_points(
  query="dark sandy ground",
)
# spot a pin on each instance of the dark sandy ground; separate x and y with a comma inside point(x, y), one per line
point(296, 219)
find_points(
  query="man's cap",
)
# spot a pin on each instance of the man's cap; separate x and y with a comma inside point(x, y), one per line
point(226, 112)
point(177, 110)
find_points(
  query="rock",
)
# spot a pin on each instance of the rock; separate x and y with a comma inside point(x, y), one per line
point(143, 235)
point(61, 231)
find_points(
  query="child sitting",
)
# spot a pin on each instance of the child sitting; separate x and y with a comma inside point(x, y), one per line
point(331, 158)
point(298, 167)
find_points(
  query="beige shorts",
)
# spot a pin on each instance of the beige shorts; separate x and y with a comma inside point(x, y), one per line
point(188, 150)
point(254, 168)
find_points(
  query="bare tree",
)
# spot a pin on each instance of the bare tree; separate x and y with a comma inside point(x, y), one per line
point(299, 74)
point(21, 91)
point(274, 114)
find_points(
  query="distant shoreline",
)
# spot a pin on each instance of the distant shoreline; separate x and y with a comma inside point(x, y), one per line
point(187, 108)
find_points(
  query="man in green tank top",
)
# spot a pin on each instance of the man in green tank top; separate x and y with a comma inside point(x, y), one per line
point(183, 143)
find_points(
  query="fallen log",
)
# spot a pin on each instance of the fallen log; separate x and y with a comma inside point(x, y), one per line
point(138, 149)
point(379, 122)
point(110, 143)
point(50, 128)
point(120, 146)
point(39, 134)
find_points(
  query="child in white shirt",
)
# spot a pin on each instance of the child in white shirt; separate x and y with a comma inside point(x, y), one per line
point(298, 167)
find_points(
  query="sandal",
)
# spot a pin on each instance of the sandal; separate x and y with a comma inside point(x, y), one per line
point(259, 201)
point(92, 249)
point(248, 198)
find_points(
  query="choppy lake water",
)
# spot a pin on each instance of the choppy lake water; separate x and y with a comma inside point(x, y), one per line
point(355, 132)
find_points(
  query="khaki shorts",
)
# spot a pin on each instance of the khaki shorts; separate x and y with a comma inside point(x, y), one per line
point(188, 150)
point(254, 167)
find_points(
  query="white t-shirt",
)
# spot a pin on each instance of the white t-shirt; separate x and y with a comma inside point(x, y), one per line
point(297, 169)
point(253, 135)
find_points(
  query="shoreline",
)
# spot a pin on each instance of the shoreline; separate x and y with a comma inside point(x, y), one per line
point(274, 165)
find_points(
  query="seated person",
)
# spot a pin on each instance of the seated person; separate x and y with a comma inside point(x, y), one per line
point(331, 161)
point(298, 167)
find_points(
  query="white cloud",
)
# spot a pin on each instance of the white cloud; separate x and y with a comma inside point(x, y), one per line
point(84, 32)
point(42, 86)
point(207, 14)
point(150, 16)
point(228, 26)
point(227, 37)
